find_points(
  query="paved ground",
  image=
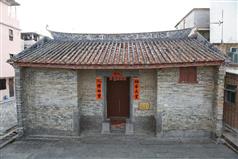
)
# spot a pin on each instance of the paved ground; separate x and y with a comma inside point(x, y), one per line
point(8, 115)
point(113, 147)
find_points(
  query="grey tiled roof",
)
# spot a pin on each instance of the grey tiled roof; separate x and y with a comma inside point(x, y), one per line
point(136, 50)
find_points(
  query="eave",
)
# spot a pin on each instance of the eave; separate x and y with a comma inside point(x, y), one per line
point(98, 67)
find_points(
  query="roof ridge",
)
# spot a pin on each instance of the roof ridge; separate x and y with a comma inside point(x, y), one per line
point(173, 34)
point(174, 30)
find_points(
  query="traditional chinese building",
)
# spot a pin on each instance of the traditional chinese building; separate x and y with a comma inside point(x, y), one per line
point(165, 83)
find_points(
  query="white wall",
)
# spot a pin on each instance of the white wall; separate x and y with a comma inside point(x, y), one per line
point(196, 18)
point(187, 22)
point(230, 21)
point(202, 18)
point(8, 21)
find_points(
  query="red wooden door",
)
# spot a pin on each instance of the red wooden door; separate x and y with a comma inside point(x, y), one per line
point(118, 99)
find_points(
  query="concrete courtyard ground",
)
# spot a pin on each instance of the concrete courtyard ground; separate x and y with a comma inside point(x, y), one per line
point(114, 147)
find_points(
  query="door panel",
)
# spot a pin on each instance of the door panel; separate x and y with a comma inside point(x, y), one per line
point(118, 99)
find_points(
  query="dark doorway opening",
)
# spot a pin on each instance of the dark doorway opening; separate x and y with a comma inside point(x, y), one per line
point(118, 99)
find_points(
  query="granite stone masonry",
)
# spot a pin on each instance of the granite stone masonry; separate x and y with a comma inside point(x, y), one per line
point(188, 109)
point(62, 102)
point(50, 101)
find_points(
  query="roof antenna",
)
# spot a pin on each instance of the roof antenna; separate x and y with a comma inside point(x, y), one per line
point(220, 23)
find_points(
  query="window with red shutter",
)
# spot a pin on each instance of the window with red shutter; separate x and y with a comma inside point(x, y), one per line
point(188, 75)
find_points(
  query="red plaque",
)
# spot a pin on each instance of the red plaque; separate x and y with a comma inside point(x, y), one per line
point(117, 76)
point(98, 88)
point(136, 83)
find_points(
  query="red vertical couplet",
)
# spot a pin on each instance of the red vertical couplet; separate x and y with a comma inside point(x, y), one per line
point(98, 88)
point(136, 83)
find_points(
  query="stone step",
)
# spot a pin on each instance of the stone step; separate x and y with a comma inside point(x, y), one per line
point(8, 137)
point(231, 140)
point(118, 128)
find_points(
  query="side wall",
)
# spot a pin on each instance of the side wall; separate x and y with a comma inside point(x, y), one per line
point(50, 101)
point(186, 109)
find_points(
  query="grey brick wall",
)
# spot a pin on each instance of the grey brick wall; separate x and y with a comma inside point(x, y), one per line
point(91, 110)
point(89, 106)
point(50, 101)
point(58, 101)
point(147, 92)
point(144, 119)
point(187, 109)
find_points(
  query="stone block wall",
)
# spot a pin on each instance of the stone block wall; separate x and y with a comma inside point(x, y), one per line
point(144, 122)
point(91, 110)
point(147, 93)
point(62, 102)
point(50, 101)
point(186, 109)
point(219, 101)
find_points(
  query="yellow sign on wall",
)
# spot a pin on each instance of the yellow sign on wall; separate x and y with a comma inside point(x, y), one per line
point(144, 106)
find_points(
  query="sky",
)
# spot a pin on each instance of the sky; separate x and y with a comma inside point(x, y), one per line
point(103, 16)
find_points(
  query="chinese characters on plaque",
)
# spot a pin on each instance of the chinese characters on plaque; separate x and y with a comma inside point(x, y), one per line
point(136, 83)
point(117, 76)
point(98, 88)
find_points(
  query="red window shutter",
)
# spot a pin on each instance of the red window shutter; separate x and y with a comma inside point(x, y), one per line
point(183, 75)
point(188, 75)
point(192, 75)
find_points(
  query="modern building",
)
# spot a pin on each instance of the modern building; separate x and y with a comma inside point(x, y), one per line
point(10, 43)
point(199, 18)
point(224, 27)
point(224, 35)
point(30, 38)
point(169, 84)
point(221, 21)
